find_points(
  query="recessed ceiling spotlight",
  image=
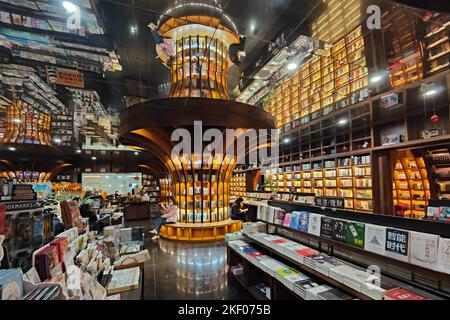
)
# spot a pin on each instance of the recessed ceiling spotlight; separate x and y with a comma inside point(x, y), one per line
point(136, 153)
point(57, 140)
point(78, 151)
point(342, 122)
point(12, 149)
point(286, 140)
point(430, 92)
point(292, 66)
point(69, 6)
point(376, 79)
point(16, 120)
point(94, 158)
point(133, 29)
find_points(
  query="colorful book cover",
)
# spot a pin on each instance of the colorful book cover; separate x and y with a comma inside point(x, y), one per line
point(402, 294)
point(424, 250)
point(279, 241)
point(444, 255)
point(294, 220)
point(303, 224)
point(11, 284)
point(340, 230)
point(286, 272)
point(375, 239)
point(307, 252)
point(314, 224)
point(287, 220)
point(327, 228)
point(397, 244)
point(356, 233)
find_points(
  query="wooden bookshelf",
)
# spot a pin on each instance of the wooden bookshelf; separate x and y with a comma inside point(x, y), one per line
point(345, 177)
point(238, 187)
point(404, 50)
point(411, 186)
point(333, 79)
point(439, 161)
point(437, 42)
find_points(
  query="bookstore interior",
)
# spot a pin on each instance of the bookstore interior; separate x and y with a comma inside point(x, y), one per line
point(224, 150)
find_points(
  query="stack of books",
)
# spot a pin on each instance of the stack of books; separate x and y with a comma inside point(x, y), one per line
point(313, 293)
point(300, 287)
point(254, 227)
point(23, 193)
point(334, 294)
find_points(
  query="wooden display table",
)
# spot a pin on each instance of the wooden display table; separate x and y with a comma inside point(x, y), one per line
point(200, 231)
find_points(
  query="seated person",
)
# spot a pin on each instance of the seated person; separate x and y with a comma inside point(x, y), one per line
point(237, 210)
point(169, 215)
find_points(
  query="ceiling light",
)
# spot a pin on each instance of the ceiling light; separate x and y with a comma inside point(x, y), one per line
point(430, 92)
point(376, 78)
point(292, 66)
point(342, 122)
point(16, 120)
point(286, 140)
point(78, 151)
point(133, 29)
point(12, 149)
point(136, 153)
point(94, 158)
point(57, 140)
point(252, 27)
point(69, 6)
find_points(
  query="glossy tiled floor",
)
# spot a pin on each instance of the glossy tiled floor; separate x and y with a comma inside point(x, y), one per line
point(186, 271)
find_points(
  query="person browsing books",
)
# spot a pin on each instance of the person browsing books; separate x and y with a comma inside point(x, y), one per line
point(169, 215)
point(237, 210)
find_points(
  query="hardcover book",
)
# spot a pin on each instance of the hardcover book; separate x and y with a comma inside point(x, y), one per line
point(397, 244)
point(2, 219)
point(303, 224)
point(356, 234)
point(375, 239)
point(424, 250)
point(24, 227)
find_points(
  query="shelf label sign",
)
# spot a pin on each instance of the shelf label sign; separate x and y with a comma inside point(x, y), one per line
point(329, 202)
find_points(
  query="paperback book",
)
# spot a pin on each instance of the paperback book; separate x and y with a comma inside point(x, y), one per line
point(375, 239)
point(327, 228)
point(303, 224)
point(340, 231)
point(356, 234)
point(11, 284)
point(397, 244)
point(444, 255)
point(314, 224)
point(295, 220)
point(424, 250)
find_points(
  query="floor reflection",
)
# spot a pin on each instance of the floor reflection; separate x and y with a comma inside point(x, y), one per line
point(201, 269)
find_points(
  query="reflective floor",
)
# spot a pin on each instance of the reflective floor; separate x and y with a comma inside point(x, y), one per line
point(186, 271)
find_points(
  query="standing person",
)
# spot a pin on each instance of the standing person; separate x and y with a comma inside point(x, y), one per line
point(237, 210)
point(169, 215)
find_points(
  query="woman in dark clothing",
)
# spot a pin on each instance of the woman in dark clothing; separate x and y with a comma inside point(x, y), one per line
point(237, 211)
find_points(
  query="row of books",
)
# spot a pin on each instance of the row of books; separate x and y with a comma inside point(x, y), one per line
point(426, 250)
point(362, 281)
point(288, 276)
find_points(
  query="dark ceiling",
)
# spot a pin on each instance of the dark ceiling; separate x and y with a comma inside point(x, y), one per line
point(137, 50)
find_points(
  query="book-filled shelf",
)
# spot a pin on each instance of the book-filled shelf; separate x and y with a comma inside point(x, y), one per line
point(411, 187)
point(437, 42)
point(238, 186)
point(335, 248)
point(151, 185)
point(201, 187)
point(333, 79)
point(349, 178)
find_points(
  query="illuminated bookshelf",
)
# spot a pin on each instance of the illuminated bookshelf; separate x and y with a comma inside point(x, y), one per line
point(437, 43)
point(344, 177)
point(238, 186)
point(405, 60)
point(334, 79)
point(411, 186)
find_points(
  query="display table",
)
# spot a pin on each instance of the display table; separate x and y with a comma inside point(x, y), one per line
point(200, 231)
point(137, 211)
